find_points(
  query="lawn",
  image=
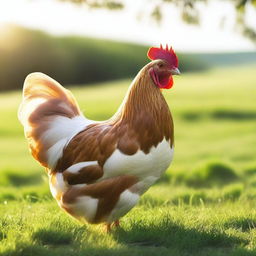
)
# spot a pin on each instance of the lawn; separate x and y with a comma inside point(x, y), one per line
point(204, 205)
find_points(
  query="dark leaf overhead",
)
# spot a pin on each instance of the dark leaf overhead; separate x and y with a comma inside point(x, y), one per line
point(189, 11)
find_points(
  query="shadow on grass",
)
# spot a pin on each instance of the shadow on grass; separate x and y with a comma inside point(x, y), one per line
point(242, 223)
point(17, 179)
point(33, 250)
point(168, 238)
point(171, 235)
point(160, 238)
point(235, 115)
point(220, 115)
point(52, 237)
point(211, 174)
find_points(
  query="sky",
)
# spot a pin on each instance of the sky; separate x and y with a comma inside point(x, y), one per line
point(66, 18)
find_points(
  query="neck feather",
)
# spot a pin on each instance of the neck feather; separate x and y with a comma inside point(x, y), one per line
point(145, 110)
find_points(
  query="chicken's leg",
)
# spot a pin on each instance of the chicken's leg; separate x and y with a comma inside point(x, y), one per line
point(116, 223)
point(108, 226)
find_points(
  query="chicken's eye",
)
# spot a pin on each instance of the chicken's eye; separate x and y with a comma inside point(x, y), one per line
point(160, 65)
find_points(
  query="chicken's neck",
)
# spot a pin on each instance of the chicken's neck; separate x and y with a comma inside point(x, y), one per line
point(145, 110)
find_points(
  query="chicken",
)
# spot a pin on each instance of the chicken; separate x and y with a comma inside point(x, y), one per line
point(98, 170)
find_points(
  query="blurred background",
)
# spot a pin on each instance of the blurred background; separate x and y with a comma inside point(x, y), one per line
point(76, 41)
point(98, 46)
point(95, 48)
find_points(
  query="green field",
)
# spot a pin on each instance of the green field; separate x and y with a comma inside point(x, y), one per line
point(204, 205)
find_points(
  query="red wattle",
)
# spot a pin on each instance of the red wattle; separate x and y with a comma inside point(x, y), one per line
point(163, 83)
point(170, 83)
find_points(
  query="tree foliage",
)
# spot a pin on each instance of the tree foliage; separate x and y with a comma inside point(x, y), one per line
point(109, 4)
point(71, 59)
point(189, 11)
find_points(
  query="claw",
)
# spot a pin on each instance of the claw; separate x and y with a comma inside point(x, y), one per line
point(108, 226)
point(116, 223)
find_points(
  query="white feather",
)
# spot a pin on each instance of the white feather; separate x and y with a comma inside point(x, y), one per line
point(25, 111)
point(58, 186)
point(126, 202)
point(78, 166)
point(59, 134)
point(140, 164)
point(85, 207)
point(141, 186)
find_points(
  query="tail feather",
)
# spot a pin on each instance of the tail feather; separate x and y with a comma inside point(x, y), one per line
point(50, 116)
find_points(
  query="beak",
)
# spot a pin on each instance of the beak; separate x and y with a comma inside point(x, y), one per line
point(175, 71)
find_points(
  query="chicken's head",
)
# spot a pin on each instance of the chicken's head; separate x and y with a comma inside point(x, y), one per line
point(164, 66)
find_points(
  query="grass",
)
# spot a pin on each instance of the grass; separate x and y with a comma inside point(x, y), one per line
point(204, 205)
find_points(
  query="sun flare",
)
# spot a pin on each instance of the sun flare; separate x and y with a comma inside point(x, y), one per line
point(66, 18)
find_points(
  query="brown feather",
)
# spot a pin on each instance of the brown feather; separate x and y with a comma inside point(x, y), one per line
point(107, 191)
point(143, 121)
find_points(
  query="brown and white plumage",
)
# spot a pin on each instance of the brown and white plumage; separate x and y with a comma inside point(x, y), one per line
point(98, 170)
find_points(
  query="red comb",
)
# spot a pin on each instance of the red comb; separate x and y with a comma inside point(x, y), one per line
point(167, 54)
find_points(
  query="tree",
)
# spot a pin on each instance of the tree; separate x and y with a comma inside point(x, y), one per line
point(188, 9)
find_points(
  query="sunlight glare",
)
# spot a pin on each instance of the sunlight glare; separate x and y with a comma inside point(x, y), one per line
point(65, 18)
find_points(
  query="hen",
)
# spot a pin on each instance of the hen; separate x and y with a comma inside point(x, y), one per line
point(98, 170)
